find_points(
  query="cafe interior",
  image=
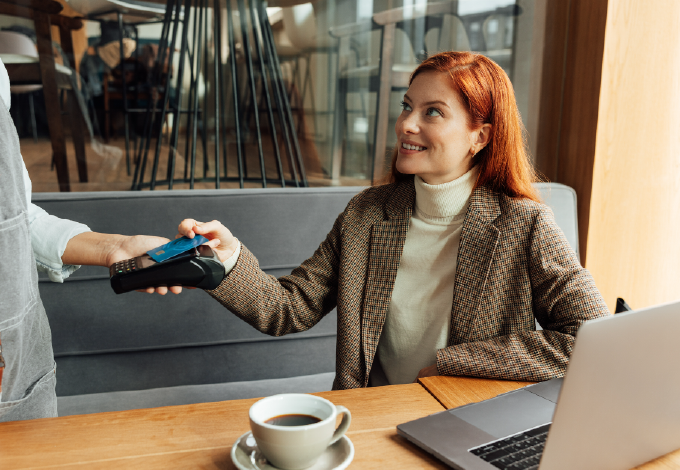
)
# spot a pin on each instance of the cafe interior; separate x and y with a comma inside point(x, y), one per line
point(270, 116)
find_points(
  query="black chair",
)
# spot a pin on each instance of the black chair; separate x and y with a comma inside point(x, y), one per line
point(208, 67)
point(622, 306)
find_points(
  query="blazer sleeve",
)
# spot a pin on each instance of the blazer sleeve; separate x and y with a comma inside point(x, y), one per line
point(290, 303)
point(564, 297)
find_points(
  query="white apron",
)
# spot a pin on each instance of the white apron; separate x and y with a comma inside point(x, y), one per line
point(28, 378)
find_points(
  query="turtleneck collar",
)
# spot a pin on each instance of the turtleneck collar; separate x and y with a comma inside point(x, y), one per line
point(443, 202)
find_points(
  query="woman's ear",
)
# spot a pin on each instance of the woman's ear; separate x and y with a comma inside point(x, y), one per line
point(482, 137)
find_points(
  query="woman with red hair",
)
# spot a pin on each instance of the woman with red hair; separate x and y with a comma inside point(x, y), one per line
point(445, 268)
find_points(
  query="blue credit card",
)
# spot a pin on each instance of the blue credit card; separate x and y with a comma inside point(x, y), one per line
point(176, 247)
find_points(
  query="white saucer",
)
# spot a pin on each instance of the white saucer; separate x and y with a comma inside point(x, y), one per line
point(246, 455)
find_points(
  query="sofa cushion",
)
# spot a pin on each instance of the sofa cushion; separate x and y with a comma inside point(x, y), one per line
point(190, 394)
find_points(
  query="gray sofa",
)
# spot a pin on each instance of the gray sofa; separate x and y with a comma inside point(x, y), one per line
point(135, 350)
point(117, 352)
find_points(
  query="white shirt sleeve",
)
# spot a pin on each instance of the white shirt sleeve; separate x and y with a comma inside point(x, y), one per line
point(49, 234)
point(5, 93)
point(49, 237)
point(230, 262)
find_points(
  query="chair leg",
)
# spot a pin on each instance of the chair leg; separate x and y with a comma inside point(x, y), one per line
point(107, 110)
point(340, 116)
point(204, 106)
point(126, 112)
point(192, 95)
point(34, 127)
point(338, 130)
point(219, 91)
point(77, 125)
point(364, 111)
point(283, 105)
point(253, 89)
point(265, 84)
point(199, 58)
point(48, 74)
point(173, 135)
point(235, 92)
point(383, 105)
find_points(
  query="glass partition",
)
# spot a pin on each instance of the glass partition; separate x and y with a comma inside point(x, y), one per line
point(333, 68)
point(337, 78)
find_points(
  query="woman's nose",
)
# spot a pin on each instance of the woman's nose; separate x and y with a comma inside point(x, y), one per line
point(410, 124)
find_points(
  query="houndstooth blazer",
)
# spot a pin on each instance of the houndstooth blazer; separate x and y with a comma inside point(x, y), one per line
point(514, 266)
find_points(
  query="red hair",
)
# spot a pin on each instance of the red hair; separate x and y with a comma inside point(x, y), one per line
point(487, 93)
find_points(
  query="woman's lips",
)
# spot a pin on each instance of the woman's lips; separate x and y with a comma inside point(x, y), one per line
point(410, 148)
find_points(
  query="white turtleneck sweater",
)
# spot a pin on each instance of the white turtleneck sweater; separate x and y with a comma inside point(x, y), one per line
point(419, 314)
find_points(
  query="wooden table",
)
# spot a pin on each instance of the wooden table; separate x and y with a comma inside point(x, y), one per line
point(201, 436)
point(457, 391)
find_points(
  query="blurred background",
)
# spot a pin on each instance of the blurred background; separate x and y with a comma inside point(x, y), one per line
point(178, 94)
point(332, 58)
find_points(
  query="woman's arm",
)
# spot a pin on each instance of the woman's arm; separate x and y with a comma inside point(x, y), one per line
point(564, 297)
point(61, 246)
point(274, 306)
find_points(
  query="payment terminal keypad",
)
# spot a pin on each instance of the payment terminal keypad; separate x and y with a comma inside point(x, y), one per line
point(125, 266)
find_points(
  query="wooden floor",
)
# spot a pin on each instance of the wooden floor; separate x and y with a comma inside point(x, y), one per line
point(107, 166)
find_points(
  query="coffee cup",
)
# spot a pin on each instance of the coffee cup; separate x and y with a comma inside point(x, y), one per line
point(292, 430)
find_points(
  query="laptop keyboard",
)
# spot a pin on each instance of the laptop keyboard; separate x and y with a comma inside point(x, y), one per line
point(518, 452)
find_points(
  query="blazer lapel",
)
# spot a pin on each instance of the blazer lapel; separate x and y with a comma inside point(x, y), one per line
point(478, 241)
point(387, 243)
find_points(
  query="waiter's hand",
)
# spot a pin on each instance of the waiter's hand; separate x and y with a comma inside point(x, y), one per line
point(104, 249)
point(130, 247)
point(223, 243)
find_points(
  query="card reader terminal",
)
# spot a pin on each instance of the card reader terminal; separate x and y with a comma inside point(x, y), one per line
point(199, 267)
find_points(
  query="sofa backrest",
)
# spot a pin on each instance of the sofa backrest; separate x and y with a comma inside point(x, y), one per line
point(106, 342)
point(562, 201)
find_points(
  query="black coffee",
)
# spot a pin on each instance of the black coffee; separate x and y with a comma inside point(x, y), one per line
point(292, 420)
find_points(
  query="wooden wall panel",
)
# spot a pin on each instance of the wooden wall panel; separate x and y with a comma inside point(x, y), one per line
point(576, 147)
point(634, 230)
point(546, 123)
point(570, 88)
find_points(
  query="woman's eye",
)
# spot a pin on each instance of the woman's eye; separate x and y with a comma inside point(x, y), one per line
point(405, 106)
point(433, 112)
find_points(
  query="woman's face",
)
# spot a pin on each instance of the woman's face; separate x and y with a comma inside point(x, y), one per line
point(434, 139)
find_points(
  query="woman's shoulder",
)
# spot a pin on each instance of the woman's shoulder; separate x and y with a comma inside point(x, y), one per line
point(522, 207)
point(525, 215)
point(495, 204)
point(375, 199)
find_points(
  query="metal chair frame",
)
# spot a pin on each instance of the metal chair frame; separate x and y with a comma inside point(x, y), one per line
point(261, 62)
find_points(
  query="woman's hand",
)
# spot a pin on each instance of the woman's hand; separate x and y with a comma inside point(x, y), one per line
point(221, 239)
point(428, 371)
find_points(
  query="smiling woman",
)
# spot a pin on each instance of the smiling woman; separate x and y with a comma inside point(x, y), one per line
point(447, 267)
point(436, 141)
point(467, 106)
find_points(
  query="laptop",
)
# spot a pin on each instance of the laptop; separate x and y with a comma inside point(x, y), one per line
point(617, 407)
